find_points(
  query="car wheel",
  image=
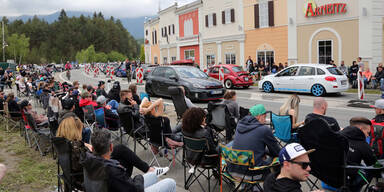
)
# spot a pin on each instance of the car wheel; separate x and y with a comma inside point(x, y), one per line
point(228, 84)
point(317, 90)
point(267, 87)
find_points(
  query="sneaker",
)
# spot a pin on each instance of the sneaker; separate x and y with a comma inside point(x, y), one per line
point(161, 171)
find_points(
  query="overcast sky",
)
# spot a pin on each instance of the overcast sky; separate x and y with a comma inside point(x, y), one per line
point(116, 8)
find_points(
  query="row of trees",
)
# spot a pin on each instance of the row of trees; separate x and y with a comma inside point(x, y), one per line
point(37, 41)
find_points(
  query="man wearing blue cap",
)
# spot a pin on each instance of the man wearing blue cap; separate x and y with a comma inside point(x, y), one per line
point(252, 134)
point(295, 168)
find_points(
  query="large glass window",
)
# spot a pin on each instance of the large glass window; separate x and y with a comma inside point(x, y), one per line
point(230, 58)
point(173, 59)
point(188, 27)
point(165, 60)
point(325, 51)
point(265, 56)
point(210, 20)
point(227, 16)
point(156, 60)
point(189, 54)
point(263, 13)
point(307, 71)
point(210, 60)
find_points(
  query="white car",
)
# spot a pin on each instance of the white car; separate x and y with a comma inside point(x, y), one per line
point(317, 79)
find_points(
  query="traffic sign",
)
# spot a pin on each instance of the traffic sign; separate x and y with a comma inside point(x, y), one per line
point(139, 75)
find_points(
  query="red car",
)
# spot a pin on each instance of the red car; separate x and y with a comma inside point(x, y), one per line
point(234, 76)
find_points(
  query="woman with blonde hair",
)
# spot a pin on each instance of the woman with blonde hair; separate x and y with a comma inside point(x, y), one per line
point(71, 128)
point(291, 107)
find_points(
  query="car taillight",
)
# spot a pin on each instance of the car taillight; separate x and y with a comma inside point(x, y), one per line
point(148, 70)
point(330, 78)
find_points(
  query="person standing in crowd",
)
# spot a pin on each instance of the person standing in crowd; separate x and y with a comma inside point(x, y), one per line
point(101, 89)
point(320, 106)
point(332, 62)
point(249, 63)
point(295, 168)
point(254, 70)
point(360, 63)
point(353, 70)
point(378, 78)
point(285, 64)
point(249, 129)
point(119, 177)
point(367, 75)
point(343, 68)
point(274, 68)
point(128, 69)
point(291, 107)
point(359, 150)
point(114, 93)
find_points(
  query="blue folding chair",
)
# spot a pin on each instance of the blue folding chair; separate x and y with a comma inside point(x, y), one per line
point(282, 126)
point(101, 123)
point(142, 95)
point(100, 118)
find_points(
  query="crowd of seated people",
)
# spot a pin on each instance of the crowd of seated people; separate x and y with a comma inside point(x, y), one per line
point(252, 133)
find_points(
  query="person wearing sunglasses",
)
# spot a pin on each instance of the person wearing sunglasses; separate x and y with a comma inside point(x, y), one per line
point(295, 168)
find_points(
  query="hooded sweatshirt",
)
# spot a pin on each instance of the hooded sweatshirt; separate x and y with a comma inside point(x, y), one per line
point(65, 114)
point(358, 148)
point(271, 184)
point(251, 135)
point(85, 102)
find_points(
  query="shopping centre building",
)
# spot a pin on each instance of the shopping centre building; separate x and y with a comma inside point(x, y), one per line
point(275, 31)
point(323, 30)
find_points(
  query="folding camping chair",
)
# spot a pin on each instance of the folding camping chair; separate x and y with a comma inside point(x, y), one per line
point(178, 100)
point(95, 174)
point(282, 128)
point(12, 119)
point(216, 112)
point(198, 167)
point(89, 117)
point(137, 134)
point(328, 162)
point(38, 131)
point(21, 93)
point(243, 158)
point(101, 122)
point(63, 147)
point(157, 139)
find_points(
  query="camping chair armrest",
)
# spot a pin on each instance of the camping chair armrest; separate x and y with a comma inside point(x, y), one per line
point(275, 162)
point(363, 167)
point(211, 155)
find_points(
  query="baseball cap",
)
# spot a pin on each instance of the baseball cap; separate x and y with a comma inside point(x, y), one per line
point(101, 99)
point(101, 83)
point(378, 104)
point(258, 109)
point(67, 103)
point(24, 103)
point(291, 151)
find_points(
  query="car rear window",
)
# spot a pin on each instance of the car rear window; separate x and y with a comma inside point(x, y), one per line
point(237, 69)
point(334, 71)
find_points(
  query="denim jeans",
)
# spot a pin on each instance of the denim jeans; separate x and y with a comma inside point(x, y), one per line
point(151, 184)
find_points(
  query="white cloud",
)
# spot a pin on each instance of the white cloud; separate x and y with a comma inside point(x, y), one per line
point(116, 8)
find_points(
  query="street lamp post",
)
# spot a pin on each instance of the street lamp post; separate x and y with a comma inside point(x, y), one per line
point(4, 43)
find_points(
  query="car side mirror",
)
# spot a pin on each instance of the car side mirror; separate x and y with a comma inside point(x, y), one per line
point(173, 77)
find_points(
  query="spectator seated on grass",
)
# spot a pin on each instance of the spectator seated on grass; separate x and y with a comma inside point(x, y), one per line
point(119, 173)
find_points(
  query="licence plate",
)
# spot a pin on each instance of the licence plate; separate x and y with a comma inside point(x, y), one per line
point(216, 92)
point(246, 79)
point(344, 82)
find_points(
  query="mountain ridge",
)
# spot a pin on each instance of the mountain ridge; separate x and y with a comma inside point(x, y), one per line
point(135, 26)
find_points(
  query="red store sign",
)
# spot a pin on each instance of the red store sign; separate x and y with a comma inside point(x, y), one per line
point(328, 9)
